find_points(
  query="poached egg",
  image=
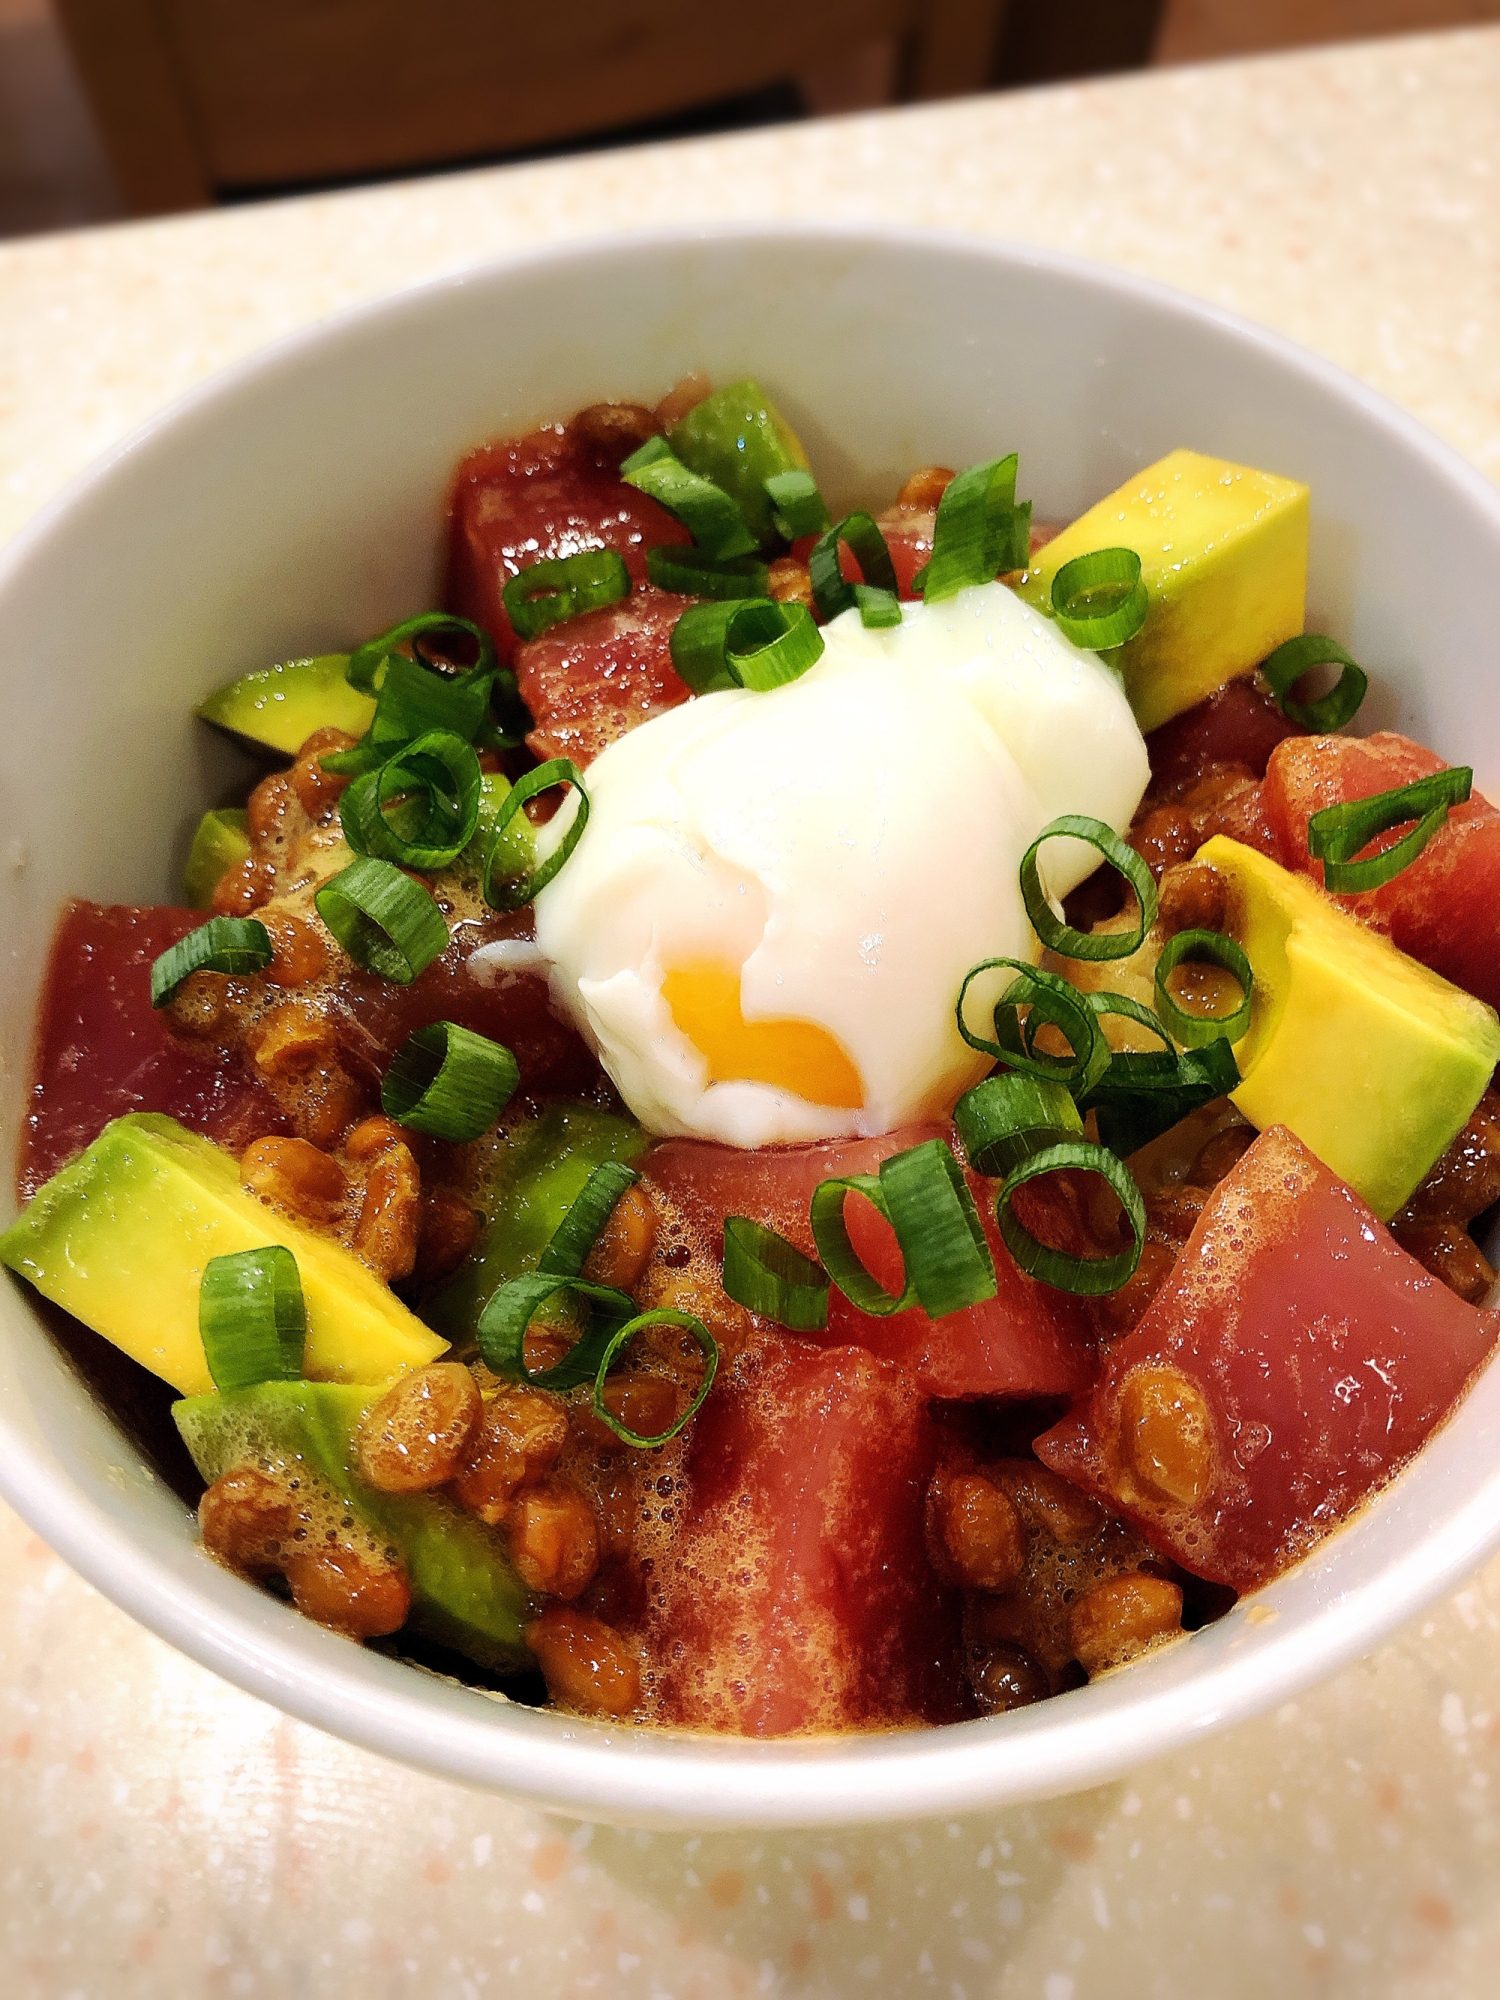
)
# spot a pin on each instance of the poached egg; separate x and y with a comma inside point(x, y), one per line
point(765, 925)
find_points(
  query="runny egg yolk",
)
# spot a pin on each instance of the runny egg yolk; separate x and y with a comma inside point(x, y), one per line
point(798, 1056)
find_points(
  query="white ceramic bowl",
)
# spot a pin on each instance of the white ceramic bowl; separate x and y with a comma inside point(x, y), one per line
point(294, 505)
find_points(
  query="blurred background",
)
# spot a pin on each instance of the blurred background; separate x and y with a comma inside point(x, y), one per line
point(113, 108)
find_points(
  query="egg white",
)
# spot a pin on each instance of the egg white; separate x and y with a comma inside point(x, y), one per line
point(852, 842)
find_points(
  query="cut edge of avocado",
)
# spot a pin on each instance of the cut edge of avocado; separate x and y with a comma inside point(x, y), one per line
point(278, 708)
point(465, 1592)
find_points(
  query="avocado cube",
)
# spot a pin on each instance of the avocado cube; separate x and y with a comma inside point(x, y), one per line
point(1373, 1061)
point(1223, 552)
point(464, 1592)
point(120, 1237)
point(279, 707)
point(739, 439)
point(221, 843)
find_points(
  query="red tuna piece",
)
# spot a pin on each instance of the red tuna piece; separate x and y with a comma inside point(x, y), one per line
point(102, 1050)
point(796, 1594)
point(1293, 1361)
point(1238, 725)
point(509, 1003)
point(1445, 908)
point(1027, 1341)
point(589, 680)
point(520, 500)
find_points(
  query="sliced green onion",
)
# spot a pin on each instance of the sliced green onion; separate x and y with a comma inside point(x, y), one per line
point(252, 1318)
point(239, 946)
point(1132, 1010)
point(501, 1332)
point(1337, 833)
point(705, 510)
point(688, 571)
point(1146, 1092)
point(449, 1082)
point(1099, 600)
point(800, 507)
point(770, 1276)
point(877, 607)
point(509, 891)
point(1085, 1277)
point(752, 644)
point(1049, 998)
point(1050, 928)
point(1005, 1119)
point(830, 592)
point(980, 532)
point(663, 1316)
point(588, 1214)
point(366, 661)
point(1296, 657)
point(841, 1261)
point(545, 593)
point(1195, 1031)
point(384, 920)
point(948, 1262)
point(413, 702)
point(420, 807)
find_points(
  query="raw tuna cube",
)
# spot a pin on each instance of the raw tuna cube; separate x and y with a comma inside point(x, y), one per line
point(589, 680)
point(1445, 908)
point(1293, 1361)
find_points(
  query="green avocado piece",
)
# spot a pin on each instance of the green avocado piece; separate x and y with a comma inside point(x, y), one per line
point(221, 843)
point(1223, 551)
point(280, 707)
point(464, 1592)
point(541, 1177)
point(120, 1236)
point(739, 439)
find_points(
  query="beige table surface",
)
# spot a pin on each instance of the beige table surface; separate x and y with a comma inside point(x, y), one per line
point(163, 1835)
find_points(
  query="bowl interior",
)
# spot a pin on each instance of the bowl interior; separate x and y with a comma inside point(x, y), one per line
point(296, 505)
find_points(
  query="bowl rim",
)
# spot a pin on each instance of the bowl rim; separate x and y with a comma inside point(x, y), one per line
point(671, 1778)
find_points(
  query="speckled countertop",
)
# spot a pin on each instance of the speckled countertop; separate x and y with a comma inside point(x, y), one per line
point(161, 1834)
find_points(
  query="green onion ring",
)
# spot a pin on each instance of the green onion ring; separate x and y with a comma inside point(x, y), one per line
point(501, 1331)
point(1084, 1277)
point(1296, 657)
point(1337, 833)
point(385, 921)
point(948, 1261)
point(559, 587)
point(239, 946)
point(512, 892)
point(662, 1316)
point(366, 661)
point(689, 572)
point(708, 513)
point(587, 1217)
point(1146, 1092)
point(752, 644)
point(1050, 998)
point(1007, 1118)
point(830, 592)
point(1194, 1031)
point(1116, 573)
point(800, 508)
point(252, 1318)
point(414, 701)
point(1061, 937)
point(438, 768)
point(449, 1082)
point(826, 1219)
point(1127, 1009)
point(980, 533)
point(771, 1277)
